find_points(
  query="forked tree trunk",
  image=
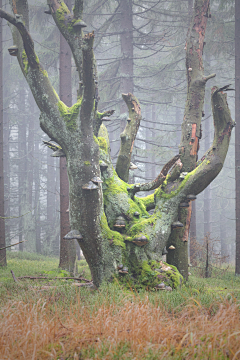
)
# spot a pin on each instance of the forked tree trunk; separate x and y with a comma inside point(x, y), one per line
point(111, 223)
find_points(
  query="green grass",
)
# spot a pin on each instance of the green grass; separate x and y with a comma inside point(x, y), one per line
point(70, 305)
point(204, 291)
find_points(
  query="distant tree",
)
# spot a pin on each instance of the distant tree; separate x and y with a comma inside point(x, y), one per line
point(3, 260)
point(98, 211)
point(237, 132)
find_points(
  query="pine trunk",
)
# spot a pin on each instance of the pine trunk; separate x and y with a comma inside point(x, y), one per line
point(67, 248)
point(3, 260)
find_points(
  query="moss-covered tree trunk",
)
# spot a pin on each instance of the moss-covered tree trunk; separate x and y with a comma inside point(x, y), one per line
point(191, 125)
point(112, 225)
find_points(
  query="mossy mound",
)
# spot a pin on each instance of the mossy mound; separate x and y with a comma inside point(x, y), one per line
point(150, 275)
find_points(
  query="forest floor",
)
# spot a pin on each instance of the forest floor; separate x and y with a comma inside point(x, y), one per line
point(55, 319)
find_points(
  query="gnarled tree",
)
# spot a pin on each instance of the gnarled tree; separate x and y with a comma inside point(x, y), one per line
point(111, 223)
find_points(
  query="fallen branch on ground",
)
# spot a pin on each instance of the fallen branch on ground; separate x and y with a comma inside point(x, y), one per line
point(55, 278)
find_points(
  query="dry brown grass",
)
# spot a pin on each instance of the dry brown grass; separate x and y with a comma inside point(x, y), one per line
point(43, 330)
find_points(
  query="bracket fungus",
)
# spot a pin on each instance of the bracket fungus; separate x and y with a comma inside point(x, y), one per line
point(177, 224)
point(13, 50)
point(73, 235)
point(191, 197)
point(136, 214)
point(103, 166)
point(96, 180)
point(120, 222)
point(184, 205)
point(171, 247)
point(161, 286)
point(182, 175)
point(106, 119)
point(140, 240)
point(79, 24)
point(90, 186)
point(132, 166)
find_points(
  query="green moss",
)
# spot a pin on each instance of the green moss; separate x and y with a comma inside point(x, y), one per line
point(141, 205)
point(95, 139)
point(25, 61)
point(114, 185)
point(148, 200)
point(56, 94)
point(141, 226)
point(147, 276)
point(160, 191)
point(87, 163)
point(99, 115)
point(70, 114)
point(61, 12)
point(37, 59)
point(112, 236)
point(44, 72)
point(102, 143)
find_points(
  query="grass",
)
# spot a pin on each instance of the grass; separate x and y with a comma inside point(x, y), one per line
point(200, 321)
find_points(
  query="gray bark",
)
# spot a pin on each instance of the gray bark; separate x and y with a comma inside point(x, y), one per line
point(237, 132)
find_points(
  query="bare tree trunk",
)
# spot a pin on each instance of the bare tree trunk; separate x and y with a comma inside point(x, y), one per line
point(193, 234)
point(27, 205)
point(207, 142)
point(22, 161)
point(126, 66)
point(223, 235)
point(3, 260)
point(37, 198)
point(67, 248)
point(237, 132)
point(7, 177)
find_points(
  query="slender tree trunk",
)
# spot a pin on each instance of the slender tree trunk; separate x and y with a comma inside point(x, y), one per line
point(126, 67)
point(51, 206)
point(27, 206)
point(153, 139)
point(193, 234)
point(67, 248)
point(37, 198)
point(207, 142)
point(237, 131)
point(3, 260)
point(7, 177)
point(223, 235)
point(22, 161)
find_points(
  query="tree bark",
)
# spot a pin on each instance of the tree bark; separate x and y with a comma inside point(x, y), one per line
point(37, 198)
point(22, 163)
point(3, 259)
point(237, 132)
point(67, 249)
point(191, 125)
